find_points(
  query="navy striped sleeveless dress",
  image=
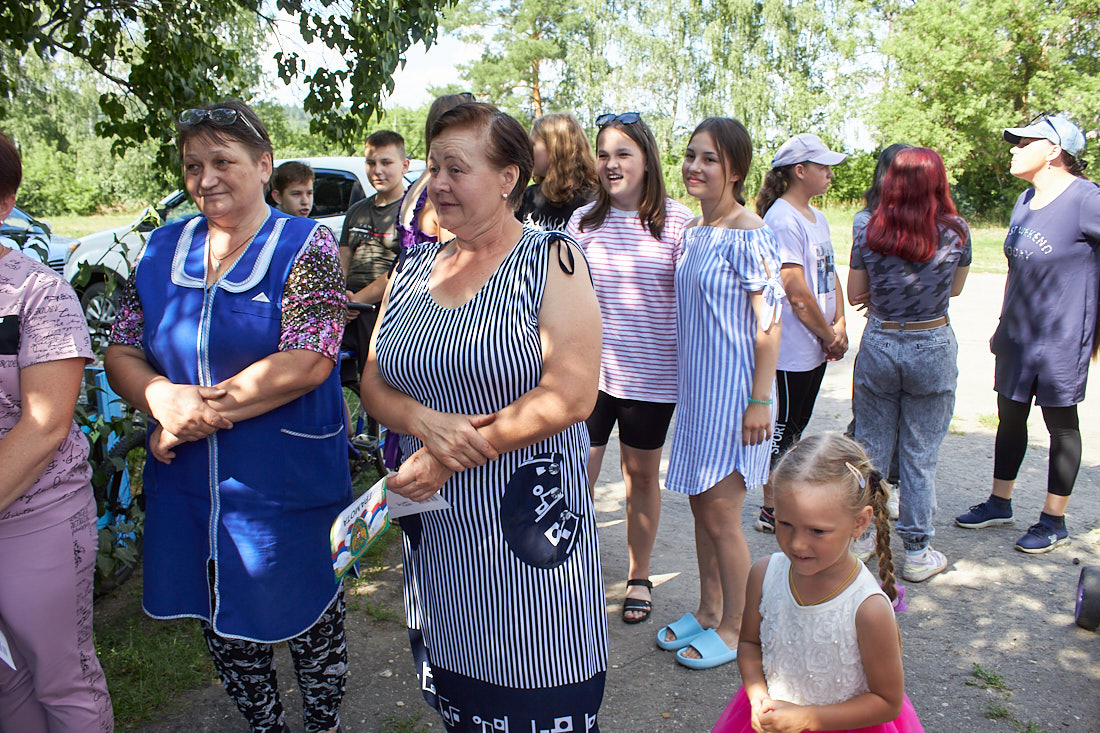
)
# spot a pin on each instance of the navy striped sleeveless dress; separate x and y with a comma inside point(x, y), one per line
point(504, 590)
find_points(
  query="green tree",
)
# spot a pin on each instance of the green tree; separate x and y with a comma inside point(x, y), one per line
point(525, 46)
point(960, 71)
point(155, 57)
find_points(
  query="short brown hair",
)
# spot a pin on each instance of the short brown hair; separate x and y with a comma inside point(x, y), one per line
point(246, 129)
point(289, 173)
point(508, 143)
point(385, 138)
point(11, 167)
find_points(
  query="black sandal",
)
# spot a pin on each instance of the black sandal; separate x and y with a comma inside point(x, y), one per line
point(637, 604)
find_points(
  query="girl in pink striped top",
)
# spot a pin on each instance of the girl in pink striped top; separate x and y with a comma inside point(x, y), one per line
point(631, 236)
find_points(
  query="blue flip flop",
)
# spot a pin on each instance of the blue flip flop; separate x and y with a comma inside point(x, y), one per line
point(686, 629)
point(711, 648)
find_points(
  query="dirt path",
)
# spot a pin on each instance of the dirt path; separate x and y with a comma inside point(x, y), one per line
point(1009, 613)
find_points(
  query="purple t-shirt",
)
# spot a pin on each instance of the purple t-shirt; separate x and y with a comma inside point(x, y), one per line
point(910, 291)
point(40, 321)
point(1048, 319)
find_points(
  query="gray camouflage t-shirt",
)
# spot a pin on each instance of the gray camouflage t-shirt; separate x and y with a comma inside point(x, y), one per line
point(909, 291)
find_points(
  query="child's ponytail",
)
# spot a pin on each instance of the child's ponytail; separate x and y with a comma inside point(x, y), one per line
point(776, 183)
point(879, 489)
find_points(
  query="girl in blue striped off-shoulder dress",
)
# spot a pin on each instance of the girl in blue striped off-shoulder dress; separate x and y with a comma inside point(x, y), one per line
point(727, 298)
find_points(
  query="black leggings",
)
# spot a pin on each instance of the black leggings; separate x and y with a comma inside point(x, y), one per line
point(796, 393)
point(320, 654)
point(1065, 443)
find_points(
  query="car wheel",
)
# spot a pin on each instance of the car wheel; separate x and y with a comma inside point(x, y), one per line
point(100, 309)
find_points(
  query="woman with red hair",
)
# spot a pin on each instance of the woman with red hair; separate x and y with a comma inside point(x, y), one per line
point(907, 261)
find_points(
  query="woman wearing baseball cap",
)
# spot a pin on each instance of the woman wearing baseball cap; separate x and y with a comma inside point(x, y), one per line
point(813, 312)
point(1048, 324)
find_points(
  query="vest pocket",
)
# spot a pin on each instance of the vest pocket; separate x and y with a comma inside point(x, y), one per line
point(256, 308)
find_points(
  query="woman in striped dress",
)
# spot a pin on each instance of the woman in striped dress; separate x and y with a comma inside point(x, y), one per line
point(486, 358)
point(727, 297)
point(631, 237)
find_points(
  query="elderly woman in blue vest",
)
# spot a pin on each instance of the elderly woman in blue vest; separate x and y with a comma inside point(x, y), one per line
point(227, 335)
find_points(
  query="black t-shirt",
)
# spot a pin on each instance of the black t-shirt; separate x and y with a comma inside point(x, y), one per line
point(538, 212)
point(369, 234)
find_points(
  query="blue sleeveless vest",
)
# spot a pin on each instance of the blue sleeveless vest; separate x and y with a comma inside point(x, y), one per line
point(248, 510)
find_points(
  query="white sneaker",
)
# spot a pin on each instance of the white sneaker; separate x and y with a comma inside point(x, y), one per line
point(864, 545)
point(893, 502)
point(923, 564)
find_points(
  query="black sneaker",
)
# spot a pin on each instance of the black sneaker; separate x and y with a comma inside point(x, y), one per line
point(765, 522)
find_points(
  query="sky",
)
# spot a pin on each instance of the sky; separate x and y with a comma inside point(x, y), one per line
point(434, 67)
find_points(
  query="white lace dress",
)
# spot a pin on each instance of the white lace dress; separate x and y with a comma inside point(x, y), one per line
point(811, 653)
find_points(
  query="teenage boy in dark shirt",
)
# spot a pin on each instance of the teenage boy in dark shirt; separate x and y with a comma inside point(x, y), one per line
point(368, 246)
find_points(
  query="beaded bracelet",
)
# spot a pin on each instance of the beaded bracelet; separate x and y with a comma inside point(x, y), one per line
point(759, 402)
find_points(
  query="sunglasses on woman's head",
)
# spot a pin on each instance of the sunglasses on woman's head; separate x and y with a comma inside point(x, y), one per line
point(220, 116)
point(1045, 117)
point(626, 118)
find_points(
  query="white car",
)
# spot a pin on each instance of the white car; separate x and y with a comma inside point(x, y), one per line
point(108, 255)
point(23, 232)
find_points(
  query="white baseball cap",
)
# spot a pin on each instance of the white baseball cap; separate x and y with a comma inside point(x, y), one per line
point(803, 148)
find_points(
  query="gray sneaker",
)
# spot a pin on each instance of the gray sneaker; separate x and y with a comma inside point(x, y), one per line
point(893, 501)
point(923, 564)
point(864, 545)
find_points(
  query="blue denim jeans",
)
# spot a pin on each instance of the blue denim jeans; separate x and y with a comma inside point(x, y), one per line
point(904, 390)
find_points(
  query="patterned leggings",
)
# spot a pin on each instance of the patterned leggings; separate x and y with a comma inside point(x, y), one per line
point(320, 654)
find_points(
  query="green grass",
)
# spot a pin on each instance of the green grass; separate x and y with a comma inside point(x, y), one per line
point(986, 679)
point(71, 225)
point(411, 724)
point(997, 708)
point(148, 663)
point(987, 241)
point(988, 420)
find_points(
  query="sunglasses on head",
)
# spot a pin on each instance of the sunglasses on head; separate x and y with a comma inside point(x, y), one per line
point(626, 118)
point(220, 116)
point(1045, 117)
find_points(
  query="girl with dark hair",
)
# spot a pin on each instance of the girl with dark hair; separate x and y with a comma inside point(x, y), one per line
point(727, 298)
point(814, 328)
point(909, 259)
point(564, 172)
point(631, 236)
point(1048, 323)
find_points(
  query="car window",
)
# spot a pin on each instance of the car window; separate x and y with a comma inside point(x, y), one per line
point(185, 209)
point(334, 192)
point(19, 225)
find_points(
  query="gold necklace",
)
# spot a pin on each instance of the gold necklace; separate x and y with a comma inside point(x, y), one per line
point(798, 600)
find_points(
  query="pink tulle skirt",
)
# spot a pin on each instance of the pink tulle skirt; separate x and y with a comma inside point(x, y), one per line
point(737, 718)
